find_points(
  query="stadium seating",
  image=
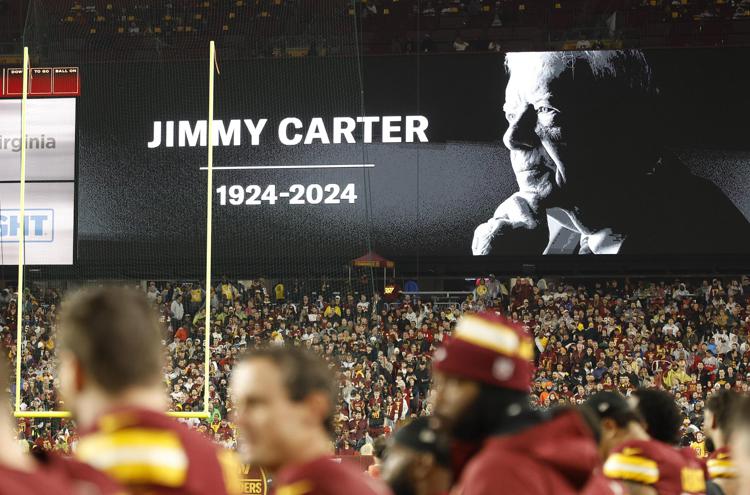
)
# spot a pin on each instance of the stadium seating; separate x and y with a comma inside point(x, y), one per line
point(388, 26)
point(688, 336)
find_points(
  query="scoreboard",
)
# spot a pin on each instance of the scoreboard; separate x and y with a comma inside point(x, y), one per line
point(43, 81)
point(50, 181)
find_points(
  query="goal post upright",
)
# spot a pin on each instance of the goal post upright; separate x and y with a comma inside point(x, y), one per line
point(204, 414)
point(22, 230)
point(209, 218)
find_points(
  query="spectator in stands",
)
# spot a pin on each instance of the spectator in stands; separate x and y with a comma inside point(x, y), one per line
point(676, 375)
point(460, 45)
point(428, 45)
point(699, 445)
point(177, 312)
point(152, 292)
point(196, 298)
point(559, 136)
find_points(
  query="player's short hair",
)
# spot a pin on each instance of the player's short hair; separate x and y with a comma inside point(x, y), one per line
point(610, 405)
point(661, 413)
point(722, 404)
point(303, 373)
point(114, 333)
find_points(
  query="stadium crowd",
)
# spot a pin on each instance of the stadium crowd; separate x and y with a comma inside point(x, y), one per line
point(689, 337)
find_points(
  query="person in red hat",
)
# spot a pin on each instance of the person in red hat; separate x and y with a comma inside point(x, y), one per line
point(482, 379)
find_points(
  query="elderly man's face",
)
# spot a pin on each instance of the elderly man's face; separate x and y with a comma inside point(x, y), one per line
point(534, 134)
point(546, 108)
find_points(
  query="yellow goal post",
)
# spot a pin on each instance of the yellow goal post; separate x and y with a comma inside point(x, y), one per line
point(18, 412)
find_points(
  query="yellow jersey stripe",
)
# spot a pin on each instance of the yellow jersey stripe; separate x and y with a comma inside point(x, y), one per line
point(146, 437)
point(117, 421)
point(137, 455)
point(168, 458)
point(147, 474)
point(493, 336)
point(718, 468)
point(298, 488)
point(631, 468)
point(230, 469)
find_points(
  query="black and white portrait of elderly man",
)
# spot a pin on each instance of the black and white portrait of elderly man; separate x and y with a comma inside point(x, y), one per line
point(592, 177)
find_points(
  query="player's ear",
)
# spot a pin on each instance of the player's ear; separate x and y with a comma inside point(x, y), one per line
point(70, 372)
point(79, 375)
point(609, 426)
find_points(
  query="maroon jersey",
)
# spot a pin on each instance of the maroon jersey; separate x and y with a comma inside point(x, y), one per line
point(326, 476)
point(555, 457)
point(669, 470)
point(461, 454)
point(149, 452)
point(53, 474)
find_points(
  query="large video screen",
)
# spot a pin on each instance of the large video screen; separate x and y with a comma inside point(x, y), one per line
point(555, 153)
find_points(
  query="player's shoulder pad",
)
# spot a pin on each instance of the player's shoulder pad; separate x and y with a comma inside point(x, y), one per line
point(632, 461)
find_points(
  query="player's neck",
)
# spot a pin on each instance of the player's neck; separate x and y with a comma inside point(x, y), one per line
point(314, 445)
point(636, 432)
point(93, 403)
point(438, 482)
point(11, 454)
point(718, 440)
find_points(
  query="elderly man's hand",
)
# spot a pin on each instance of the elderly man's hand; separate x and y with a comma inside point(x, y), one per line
point(520, 212)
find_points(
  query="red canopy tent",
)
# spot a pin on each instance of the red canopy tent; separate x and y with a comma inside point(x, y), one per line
point(371, 259)
point(374, 260)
